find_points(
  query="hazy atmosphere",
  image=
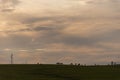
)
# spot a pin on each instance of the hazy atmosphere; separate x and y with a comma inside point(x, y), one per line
point(50, 31)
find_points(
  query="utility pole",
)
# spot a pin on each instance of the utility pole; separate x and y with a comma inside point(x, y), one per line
point(11, 58)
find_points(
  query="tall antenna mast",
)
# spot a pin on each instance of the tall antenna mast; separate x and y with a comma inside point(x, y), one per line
point(11, 58)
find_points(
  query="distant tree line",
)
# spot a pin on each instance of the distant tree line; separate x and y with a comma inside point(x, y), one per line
point(78, 64)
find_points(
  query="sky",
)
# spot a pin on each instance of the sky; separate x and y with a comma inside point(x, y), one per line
point(68, 31)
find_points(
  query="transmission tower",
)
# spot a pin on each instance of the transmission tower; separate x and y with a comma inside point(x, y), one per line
point(11, 58)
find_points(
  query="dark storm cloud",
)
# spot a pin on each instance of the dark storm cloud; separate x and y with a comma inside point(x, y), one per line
point(43, 28)
point(52, 30)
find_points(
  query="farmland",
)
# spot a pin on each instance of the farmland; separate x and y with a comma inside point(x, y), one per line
point(58, 72)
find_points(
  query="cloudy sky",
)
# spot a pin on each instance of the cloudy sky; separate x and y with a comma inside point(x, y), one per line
point(50, 31)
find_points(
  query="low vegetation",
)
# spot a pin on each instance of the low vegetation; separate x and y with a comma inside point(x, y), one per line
point(59, 72)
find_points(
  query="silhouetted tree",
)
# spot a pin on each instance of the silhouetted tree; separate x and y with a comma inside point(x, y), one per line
point(58, 63)
point(71, 63)
point(112, 63)
point(79, 64)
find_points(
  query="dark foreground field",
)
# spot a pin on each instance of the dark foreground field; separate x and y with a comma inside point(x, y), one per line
point(58, 72)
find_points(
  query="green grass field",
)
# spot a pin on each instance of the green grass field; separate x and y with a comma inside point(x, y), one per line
point(58, 72)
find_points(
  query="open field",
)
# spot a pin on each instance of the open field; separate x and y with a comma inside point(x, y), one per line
point(58, 72)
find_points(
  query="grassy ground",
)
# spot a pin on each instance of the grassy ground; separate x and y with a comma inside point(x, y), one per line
point(58, 72)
